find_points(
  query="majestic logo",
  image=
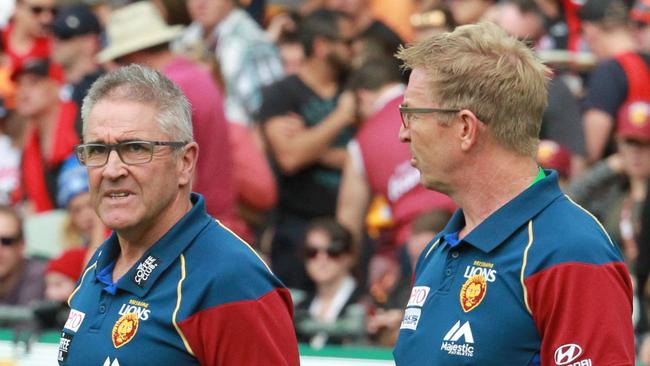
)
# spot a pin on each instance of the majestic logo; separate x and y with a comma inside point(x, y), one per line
point(75, 318)
point(567, 353)
point(108, 362)
point(124, 329)
point(452, 340)
point(137, 307)
point(64, 346)
point(145, 269)
point(472, 292)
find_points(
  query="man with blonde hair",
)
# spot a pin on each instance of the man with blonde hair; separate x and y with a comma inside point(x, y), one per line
point(520, 275)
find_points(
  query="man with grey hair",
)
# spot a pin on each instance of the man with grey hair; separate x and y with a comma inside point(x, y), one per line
point(171, 280)
point(520, 275)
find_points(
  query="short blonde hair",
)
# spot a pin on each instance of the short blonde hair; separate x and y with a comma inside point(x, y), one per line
point(480, 68)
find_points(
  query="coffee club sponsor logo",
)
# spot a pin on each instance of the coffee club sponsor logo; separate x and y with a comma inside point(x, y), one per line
point(145, 269)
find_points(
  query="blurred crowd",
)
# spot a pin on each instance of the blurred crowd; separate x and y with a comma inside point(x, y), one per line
point(295, 109)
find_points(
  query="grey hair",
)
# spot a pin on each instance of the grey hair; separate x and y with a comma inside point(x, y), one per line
point(141, 84)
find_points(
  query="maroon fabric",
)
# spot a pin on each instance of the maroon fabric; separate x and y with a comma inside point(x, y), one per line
point(252, 332)
point(389, 172)
point(214, 170)
point(569, 297)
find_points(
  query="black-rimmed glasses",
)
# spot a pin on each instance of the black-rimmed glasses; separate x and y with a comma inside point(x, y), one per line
point(407, 113)
point(130, 152)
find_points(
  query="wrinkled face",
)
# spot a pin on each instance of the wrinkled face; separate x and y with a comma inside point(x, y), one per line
point(58, 287)
point(209, 13)
point(35, 94)
point(430, 141)
point(11, 247)
point(324, 268)
point(635, 154)
point(35, 16)
point(133, 199)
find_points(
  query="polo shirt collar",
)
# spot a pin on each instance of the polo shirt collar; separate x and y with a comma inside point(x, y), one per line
point(499, 226)
point(141, 277)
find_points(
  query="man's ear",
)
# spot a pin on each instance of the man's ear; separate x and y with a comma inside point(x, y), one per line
point(187, 163)
point(469, 129)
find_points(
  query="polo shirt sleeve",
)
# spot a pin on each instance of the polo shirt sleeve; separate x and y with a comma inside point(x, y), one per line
point(588, 305)
point(249, 332)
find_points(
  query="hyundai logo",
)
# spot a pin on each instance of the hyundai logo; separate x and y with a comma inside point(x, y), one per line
point(567, 353)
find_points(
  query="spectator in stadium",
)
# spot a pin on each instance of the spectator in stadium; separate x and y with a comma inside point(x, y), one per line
point(551, 155)
point(364, 25)
point(619, 182)
point(75, 45)
point(432, 20)
point(62, 274)
point(246, 59)
point(26, 36)
point(51, 134)
point(329, 258)
point(621, 71)
point(383, 323)
point(203, 296)
point(82, 228)
point(307, 121)
point(21, 279)
point(471, 113)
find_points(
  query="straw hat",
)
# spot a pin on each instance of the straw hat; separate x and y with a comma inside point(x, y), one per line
point(136, 27)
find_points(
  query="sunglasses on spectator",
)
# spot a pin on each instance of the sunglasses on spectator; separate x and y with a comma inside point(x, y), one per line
point(38, 9)
point(332, 251)
point(9, 240)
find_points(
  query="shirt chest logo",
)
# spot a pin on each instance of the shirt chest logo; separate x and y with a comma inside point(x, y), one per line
point(140, 308)
point(145, 269)
point(483, 268)
point(459, 340)
point(124, 329)
point(473, 292)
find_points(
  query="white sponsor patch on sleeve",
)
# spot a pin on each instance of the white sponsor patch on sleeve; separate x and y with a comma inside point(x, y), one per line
point(418, 296)
point(75, 318)
point(411, 318)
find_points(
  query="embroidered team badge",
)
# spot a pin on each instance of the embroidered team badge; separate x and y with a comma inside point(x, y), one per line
point(472, 292)
point(124, 329)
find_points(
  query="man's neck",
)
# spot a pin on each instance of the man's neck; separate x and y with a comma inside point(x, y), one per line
point(490, 185)
point(135, 242)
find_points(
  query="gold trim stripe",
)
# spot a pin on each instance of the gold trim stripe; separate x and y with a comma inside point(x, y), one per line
point(524, 263)
point(179, 296)
point(433, 246)
point(245, 243)
point(80, 282)
point(593, 217)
